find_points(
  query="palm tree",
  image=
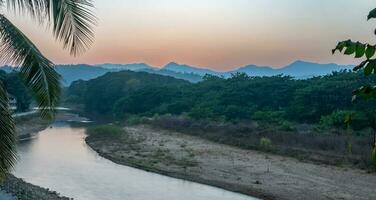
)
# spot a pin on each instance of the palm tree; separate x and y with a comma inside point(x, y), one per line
point(72, 23)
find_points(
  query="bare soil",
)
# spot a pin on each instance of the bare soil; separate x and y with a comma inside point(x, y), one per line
point(250, 172)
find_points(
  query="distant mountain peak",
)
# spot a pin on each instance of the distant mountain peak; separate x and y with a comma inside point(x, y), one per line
point(302, 62)
point(183, 68)
point(171, 63)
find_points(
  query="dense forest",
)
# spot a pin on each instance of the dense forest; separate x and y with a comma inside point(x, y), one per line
point(325, 100)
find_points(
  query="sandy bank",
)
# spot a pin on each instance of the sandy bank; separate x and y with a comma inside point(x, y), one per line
point(250, 172)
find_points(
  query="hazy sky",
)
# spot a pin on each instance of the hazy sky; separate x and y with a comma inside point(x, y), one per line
point(219, 34)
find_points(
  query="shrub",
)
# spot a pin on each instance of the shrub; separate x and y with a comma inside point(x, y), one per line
point(133, 120)
point(266, 144)
point(286, 126)
point(337, 119)
point(105, 132)
point(270, 116)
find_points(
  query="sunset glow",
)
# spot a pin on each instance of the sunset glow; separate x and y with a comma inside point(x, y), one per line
point(218, 34)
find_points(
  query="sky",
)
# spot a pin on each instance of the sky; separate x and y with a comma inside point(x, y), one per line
point(216, 34)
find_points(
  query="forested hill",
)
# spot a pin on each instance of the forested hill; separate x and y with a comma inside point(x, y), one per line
point(238, 98)
point(101, 94)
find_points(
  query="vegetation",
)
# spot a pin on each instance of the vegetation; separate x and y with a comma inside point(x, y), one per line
point(279, 99)
point(368, 66)
point(105, 132)
point(299, 117)
point(15, 86)
point(71, 22)
point(265, 143)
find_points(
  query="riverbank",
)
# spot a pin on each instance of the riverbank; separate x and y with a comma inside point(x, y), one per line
point(26, 191)
point(254, 173)
point(29, 125)
point(26, 127)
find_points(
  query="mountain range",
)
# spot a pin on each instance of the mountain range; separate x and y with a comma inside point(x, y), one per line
point(298, 69)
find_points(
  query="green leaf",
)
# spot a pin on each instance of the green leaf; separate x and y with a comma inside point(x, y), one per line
point(366, 92)
point(350, 48)
point(369, 68)
point(7, 135)
point(370, 51)
point(360, 66)
point(340, 46)
point(360, 50)
point(372, 14)
point(72, 21)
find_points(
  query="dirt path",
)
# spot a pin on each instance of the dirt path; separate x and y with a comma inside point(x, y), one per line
point(258, 174)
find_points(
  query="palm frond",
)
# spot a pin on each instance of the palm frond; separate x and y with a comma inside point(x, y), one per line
point(72, 20)
point(7, 135)
point(37, 70)
point(73, 24)
point(36, 8)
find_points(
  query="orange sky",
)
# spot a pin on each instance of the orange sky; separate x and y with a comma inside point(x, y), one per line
point(218, 34)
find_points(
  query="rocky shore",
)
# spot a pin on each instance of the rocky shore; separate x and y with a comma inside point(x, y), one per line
point(254, 173)
point(21, 190)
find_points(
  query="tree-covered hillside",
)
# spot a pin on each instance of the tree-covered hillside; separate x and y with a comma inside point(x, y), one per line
point(101, 95)
point(235, 99)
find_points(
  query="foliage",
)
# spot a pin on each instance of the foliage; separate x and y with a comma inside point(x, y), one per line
point(360, 50)
point(269, 116)
point(14, 85)
point(266, 144)
point(105, 131)
point(279, 99)
point(337, 119)
point(7, 135)
point(286, 126)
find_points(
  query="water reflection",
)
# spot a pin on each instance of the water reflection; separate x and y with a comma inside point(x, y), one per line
point(59, 159)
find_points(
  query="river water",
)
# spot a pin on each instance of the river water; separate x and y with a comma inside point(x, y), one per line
point(58, 158)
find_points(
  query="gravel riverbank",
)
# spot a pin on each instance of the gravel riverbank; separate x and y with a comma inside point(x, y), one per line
point(250, 172)
point(21, 190)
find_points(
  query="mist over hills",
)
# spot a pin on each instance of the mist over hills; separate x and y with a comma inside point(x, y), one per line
point(298, 69)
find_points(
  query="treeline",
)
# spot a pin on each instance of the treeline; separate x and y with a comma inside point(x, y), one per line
point(15, 86)
point(325, 100)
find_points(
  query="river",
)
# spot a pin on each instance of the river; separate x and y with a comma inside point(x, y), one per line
point(59, 159)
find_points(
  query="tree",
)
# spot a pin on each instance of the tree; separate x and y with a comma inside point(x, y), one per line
point(368, 66)
point(72, 23)
point(14, 85)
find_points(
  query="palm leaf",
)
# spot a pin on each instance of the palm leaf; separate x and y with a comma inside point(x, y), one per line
point(37, 70)
point(7, 136)
point(72, 20)
point(72, 24)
